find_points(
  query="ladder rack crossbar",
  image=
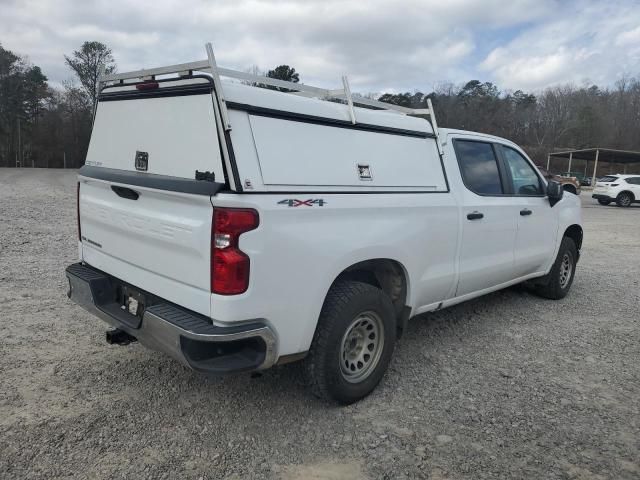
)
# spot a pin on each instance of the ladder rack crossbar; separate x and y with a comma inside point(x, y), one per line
point(169, 69)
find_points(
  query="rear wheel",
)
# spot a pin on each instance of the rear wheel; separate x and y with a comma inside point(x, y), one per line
point(624, 199)
point(556, 284)
point(353, 343)
point(604, 202)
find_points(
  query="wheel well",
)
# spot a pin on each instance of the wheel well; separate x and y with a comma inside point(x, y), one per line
point(387, 275)
point(575, 233)
point(569, 188)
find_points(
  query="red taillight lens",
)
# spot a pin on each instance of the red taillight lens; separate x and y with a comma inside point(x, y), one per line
point(78, 211)
point(234, 221)
point(229, 265)
point(147, 85)
point(230, 272)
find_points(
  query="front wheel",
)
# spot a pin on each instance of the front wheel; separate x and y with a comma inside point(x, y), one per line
point(556, 284)
point(353, 342)
point(604, 202)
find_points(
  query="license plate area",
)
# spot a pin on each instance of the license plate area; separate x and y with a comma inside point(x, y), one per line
point(131, 304)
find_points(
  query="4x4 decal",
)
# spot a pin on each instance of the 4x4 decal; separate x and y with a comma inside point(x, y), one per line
point(294, 202)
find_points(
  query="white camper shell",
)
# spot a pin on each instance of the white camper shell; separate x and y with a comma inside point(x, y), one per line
point(275, 141)
point(235, 226)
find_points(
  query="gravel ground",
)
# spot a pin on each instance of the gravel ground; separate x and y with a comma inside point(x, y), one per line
point(506, 386)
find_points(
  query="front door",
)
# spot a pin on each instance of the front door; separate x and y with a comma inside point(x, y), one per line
point(537, 221)
point(634, 186)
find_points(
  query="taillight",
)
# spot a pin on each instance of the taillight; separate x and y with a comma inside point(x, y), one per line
point(613, 184)
point(230, 265)
point(147, 85)
point(78, 211)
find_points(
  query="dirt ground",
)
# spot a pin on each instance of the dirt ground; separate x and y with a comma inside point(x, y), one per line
point(505, 386)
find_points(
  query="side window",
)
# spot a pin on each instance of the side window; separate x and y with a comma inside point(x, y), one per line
point(524, 178)
point(545, 173)
point(634, 180)
point(479, 167)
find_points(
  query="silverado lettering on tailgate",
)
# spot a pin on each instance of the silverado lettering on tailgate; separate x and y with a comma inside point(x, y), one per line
point(136, 223)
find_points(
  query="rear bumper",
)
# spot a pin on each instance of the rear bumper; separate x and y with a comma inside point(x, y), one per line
point(600, 196)
point(187, 336)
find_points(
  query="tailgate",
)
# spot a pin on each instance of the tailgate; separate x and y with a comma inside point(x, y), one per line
point(149, 222)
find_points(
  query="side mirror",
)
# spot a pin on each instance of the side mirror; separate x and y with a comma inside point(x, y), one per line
point(554, 192)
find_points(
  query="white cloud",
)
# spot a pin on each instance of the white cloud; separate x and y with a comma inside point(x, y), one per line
point(380, 44)
point(629, 37)
point(583, 42)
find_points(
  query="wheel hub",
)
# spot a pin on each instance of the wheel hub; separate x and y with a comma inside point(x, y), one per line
point(566, 268)
point(361, 347)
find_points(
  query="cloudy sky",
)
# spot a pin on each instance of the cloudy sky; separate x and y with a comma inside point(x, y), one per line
point(383, 45)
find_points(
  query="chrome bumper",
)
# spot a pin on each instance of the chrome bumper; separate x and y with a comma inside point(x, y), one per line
point(187, 336)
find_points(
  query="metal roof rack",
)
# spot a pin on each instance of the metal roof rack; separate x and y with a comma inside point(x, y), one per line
point(210, 66)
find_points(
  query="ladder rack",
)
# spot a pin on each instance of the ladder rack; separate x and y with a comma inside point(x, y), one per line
point(209, 66)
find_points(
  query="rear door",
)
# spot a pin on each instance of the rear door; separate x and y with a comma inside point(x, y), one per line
point(144, 215)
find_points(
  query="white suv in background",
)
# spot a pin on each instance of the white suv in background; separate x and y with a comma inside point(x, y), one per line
point(622, 189)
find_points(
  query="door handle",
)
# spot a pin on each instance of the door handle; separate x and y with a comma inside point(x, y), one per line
point(525, 212)
point(125, 192)
point(474, 216)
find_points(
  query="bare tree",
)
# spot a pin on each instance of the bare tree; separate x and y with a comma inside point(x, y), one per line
point(87, 64)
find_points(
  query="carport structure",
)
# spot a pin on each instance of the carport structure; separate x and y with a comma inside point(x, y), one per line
point(624, 157)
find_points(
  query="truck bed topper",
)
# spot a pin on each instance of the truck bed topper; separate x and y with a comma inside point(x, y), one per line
point(374, 117)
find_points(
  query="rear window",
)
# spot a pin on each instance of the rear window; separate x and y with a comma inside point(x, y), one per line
point(608, 179)
point(479, 167)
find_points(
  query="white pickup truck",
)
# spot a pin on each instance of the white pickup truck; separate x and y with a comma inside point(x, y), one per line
point(236, 227)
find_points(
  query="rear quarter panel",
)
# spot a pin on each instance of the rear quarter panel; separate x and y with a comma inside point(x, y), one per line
point(297, 252)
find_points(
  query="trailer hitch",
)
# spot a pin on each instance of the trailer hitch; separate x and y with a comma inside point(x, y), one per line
point(119, 337)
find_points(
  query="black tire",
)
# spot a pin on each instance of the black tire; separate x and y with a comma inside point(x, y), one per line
point(555, 285)
point(624, 199)
point(347, 301)
point(604, 202)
